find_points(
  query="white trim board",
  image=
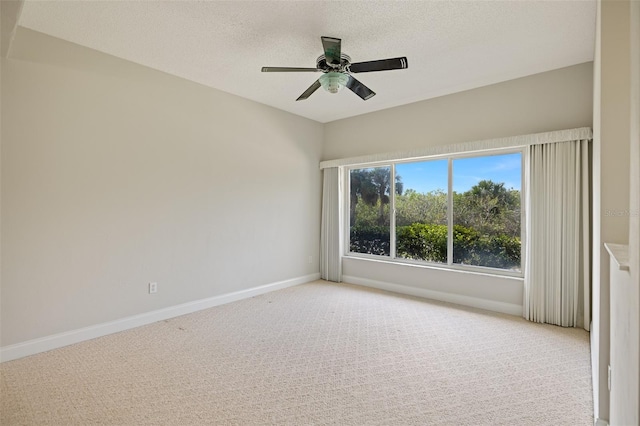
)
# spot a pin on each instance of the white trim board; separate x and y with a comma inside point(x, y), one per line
point(474, 302)
point(47, 343)
point(473, 146)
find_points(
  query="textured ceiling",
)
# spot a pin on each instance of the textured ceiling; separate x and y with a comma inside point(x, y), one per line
point(450, 45)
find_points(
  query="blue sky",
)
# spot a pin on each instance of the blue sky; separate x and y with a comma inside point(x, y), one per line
point(430, 175)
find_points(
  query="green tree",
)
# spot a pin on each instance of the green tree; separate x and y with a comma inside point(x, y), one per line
point(416, 207)
point(489, 208)
point(372, 187)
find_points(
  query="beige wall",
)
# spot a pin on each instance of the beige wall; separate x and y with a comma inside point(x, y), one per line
point(554, 100)
point(611, 175)
point(634, 180)
point(625, 296)
point(624, 33)
point(115, 175)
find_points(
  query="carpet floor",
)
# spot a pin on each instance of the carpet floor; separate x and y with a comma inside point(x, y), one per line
point(314, 354)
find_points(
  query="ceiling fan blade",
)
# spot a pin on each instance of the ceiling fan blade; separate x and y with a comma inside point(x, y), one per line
point(315, 86)
point(289, 69)
point(380, 65)
point(360, 89)
point(332, 50)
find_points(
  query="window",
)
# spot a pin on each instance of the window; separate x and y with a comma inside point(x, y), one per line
point(486, 211)
point(369, 210)
point(421, 211)
point(460, 211)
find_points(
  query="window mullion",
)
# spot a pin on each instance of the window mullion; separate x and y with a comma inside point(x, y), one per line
point(450, 214)
point(346, 200)
point(392, 213)
point(524, 185)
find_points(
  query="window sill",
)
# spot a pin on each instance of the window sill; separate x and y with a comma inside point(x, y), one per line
point(460, 269)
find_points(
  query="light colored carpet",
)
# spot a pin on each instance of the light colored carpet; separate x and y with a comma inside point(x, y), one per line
point(318, 353)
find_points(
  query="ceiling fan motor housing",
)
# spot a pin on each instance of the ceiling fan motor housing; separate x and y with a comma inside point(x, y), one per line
point(345, 61)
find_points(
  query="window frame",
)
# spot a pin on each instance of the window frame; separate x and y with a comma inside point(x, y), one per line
point(392, 258)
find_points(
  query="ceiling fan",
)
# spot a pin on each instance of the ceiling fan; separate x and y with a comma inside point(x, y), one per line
point(337, 69)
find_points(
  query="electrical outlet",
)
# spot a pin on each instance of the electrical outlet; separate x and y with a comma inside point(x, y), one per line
point(153, 288)
point(310, 260)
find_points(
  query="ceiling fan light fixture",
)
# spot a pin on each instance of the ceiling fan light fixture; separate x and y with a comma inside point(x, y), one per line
point(337, 70)
point(333, 82)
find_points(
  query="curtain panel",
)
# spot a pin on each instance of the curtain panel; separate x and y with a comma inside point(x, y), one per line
point(331, 226)
point(558, 221)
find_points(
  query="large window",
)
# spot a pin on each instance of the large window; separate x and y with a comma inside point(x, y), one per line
point(461, 211)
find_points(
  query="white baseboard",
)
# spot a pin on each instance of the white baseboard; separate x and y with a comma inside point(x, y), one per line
point(474, 302)
point(594, 376)
point(43, 344)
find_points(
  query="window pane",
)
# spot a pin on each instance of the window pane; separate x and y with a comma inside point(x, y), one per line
point(369, 211)
point(421, 211)
point(486, 211)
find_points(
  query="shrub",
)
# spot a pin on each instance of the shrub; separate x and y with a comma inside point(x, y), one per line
point(371, 240)
point(429, 242)
point(422, 241)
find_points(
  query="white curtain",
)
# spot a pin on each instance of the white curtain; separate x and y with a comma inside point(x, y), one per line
point(331, 228)
point(557, 266)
